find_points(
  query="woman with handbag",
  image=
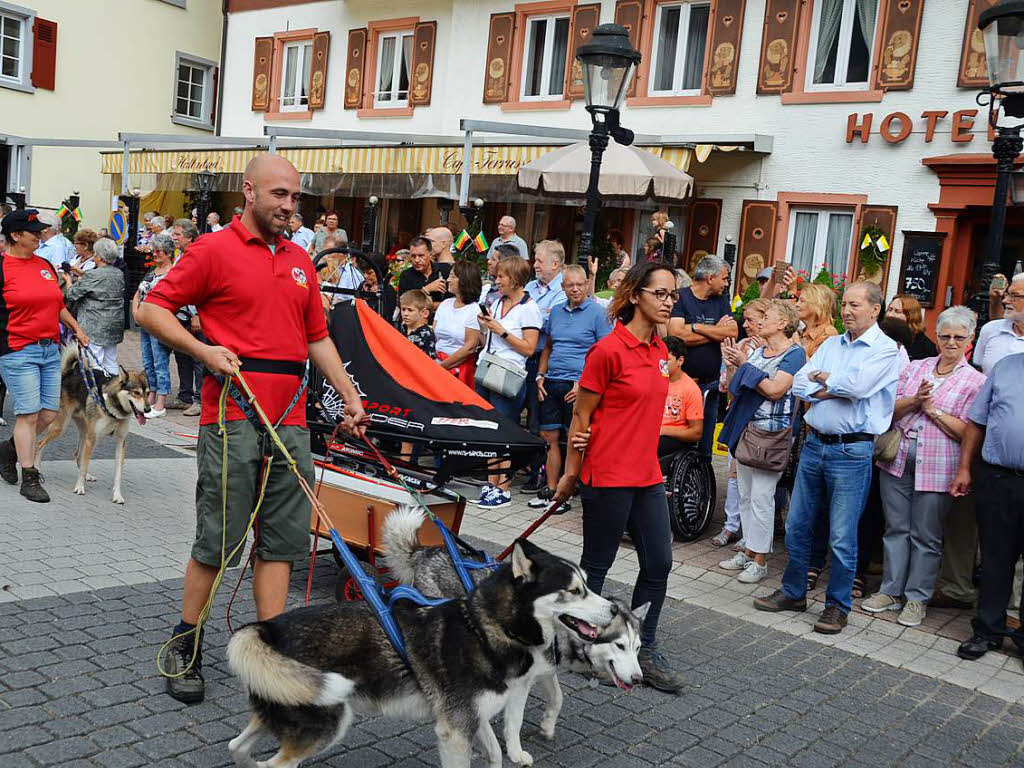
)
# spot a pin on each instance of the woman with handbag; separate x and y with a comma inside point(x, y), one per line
point(617, 419)
point(932, 401)
point(765, 377)
point(512, 323)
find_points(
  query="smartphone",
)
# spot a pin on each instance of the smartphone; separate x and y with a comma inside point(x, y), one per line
point(483, 311)
point(999, 283)
point(65, 267)
point(780, 270)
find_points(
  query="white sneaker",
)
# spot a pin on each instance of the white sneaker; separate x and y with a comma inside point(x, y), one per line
point(736, 563)
point(753, 573)
point(155, 414)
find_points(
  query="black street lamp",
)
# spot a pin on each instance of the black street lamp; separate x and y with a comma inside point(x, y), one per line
point(472, 211)
point(204, 180)
point(370, 223)
point(609, 61)
point(1003, 30)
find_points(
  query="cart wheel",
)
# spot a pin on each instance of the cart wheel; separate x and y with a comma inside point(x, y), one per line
point(691, 491)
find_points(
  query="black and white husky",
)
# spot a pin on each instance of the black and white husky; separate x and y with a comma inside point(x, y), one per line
point(310, 670)
point(612, 655)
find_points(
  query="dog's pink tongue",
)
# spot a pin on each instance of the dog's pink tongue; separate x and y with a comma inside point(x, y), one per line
point(141, 418)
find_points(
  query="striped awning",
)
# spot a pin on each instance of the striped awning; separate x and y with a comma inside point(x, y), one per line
point(487, 160)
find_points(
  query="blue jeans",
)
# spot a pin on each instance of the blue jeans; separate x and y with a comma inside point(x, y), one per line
point(833, 479)
point(156, 359)
point(32, 376)
point(711, 394)
point(509, 407)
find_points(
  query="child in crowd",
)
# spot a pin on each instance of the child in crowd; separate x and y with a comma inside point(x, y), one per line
point(683, 421)
point(415, 307)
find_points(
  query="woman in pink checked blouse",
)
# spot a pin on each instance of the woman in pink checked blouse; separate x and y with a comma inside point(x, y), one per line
point(931, 406)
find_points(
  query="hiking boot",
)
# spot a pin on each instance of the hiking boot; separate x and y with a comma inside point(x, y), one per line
point(32, 485)
point(193, 410)
point(777, 601)
point(178, 405)
point(831, 622)
point(913, 613)
point(658, 672)
point(880, 603)
point(9, 462)
point(189, 688)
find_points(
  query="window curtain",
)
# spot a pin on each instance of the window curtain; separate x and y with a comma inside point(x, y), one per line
point(828, 29)
point(837, 242)
point(668, 40)
point(387, 69)
point(559, 51)
point(403, 83)
point(866, 12)
point(805, 230)
point(696, 39)
point(307, 71)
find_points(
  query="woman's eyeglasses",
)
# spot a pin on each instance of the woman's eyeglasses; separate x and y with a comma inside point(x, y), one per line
point(947, 337)
point(661, 295)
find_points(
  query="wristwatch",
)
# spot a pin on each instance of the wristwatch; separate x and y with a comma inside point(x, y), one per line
point(938, 414)
point(504, 334)
point(693, 327)
point(541, 376)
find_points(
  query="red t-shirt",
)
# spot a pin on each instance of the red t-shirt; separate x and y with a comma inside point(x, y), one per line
point(684, 403)
point(30, 302)
point(255, 302)
point(632, 378)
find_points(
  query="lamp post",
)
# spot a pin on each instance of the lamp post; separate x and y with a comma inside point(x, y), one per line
point(204, 180)
point(370, 223)
point(472, 212)
point(1003, 29)
point(608, 61)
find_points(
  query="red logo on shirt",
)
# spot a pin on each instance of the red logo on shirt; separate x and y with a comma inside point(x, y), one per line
point(299, 277)
point(47, 274)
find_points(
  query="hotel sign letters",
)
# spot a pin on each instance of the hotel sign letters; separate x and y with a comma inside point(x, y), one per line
point(896, 127)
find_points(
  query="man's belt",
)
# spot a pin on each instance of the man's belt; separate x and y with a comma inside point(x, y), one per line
point(850, 437)
point(263, 365)
point(1004, 470)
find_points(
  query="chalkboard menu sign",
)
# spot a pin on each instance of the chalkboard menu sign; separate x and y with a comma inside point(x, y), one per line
point(919, 272)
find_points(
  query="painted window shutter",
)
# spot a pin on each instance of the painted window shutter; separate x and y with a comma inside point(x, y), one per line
point(318, 70)
point(499, 57)
point(701, 231)
point(584, 19)
point(423, 41)
point(757, 238)
point(973, 72)
point(898, 59)
point(355, 68)
point(726, 31)
point(44, 54)
point(778, 46)
point(630, 14)
point(214, 81)
point(263, 65)
point(883, 217)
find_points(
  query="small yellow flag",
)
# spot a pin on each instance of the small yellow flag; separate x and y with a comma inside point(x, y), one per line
point(883, 244)
point(737, 302)
point(866, 242)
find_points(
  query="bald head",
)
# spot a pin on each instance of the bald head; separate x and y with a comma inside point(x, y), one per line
point(506, 227)
point(271, 190)
point(441, 242)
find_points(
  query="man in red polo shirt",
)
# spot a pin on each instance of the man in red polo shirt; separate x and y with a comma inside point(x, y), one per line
point(257, 298)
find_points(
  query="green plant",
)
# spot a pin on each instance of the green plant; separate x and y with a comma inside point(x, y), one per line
point(873, 255)
point(68, 224)
point(837, 283)
point(752, 292)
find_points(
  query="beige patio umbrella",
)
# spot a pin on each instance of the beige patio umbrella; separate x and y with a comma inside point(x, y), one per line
point(627, 172)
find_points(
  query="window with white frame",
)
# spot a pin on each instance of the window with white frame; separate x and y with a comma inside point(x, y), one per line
point(820, 238)
point(394, 58)
point(297, 60)
point(14, 47)
point(193, 89)
point(842, 36)
point(545, 54)
point(681, 31)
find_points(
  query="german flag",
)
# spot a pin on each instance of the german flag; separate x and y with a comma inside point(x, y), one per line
point(462, 240)
point(480, 242)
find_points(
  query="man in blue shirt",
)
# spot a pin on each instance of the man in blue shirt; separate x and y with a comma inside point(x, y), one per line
point(995, 433)
point(850, 383)
point(546, 290)
point(53, 246)
point(570, 331)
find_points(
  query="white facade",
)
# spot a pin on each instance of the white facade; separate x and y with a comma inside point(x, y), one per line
point(811, 154)
point(117, 66)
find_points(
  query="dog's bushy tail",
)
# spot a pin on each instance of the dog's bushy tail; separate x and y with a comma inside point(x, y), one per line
point(69, 358)
point(400, 537)
point(278, 679)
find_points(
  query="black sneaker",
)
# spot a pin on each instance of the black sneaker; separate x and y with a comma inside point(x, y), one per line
point(9, 462)
point(542, 500)
point(32, 485)
point(535, 483)
point(185, 679)
point(658, 672)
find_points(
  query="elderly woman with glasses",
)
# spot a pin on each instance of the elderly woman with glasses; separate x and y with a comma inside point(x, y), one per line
point(932, 400)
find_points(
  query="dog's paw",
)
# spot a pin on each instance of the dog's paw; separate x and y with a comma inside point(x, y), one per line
point(79, 489)
point(117, 498)
point(547, 729)
point(90, 478)
point(522, 757)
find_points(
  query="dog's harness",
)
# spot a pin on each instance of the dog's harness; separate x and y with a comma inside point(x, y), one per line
point(90, 380)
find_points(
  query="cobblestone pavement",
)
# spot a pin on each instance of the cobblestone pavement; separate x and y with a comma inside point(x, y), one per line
point(78, 688)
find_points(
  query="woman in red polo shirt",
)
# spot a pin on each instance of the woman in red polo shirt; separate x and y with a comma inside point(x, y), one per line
point(31, 308)
point(620, 404)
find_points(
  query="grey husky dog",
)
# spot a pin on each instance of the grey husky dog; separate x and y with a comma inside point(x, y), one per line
point(308, 671)
point(612, 655)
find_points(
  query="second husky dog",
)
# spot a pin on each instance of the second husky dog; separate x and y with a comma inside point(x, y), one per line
point(612, 655)
point(308, 671)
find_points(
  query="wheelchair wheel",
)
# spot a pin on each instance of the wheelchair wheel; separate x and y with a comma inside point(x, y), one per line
point(692, 492)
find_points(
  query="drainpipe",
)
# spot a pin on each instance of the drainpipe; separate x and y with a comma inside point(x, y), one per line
point(223, 71)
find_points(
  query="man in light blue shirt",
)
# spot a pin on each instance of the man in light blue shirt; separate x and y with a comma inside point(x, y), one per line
point(850, 383)
point(507, 236)
point(546, 290)
point(302, 236)
point(53, 246)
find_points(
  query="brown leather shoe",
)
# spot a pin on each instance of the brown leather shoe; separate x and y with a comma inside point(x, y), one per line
point(777, 601)
point(831, 622)
point(941, 600)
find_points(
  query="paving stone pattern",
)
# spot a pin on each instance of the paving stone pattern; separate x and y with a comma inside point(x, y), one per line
point(78, 687)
